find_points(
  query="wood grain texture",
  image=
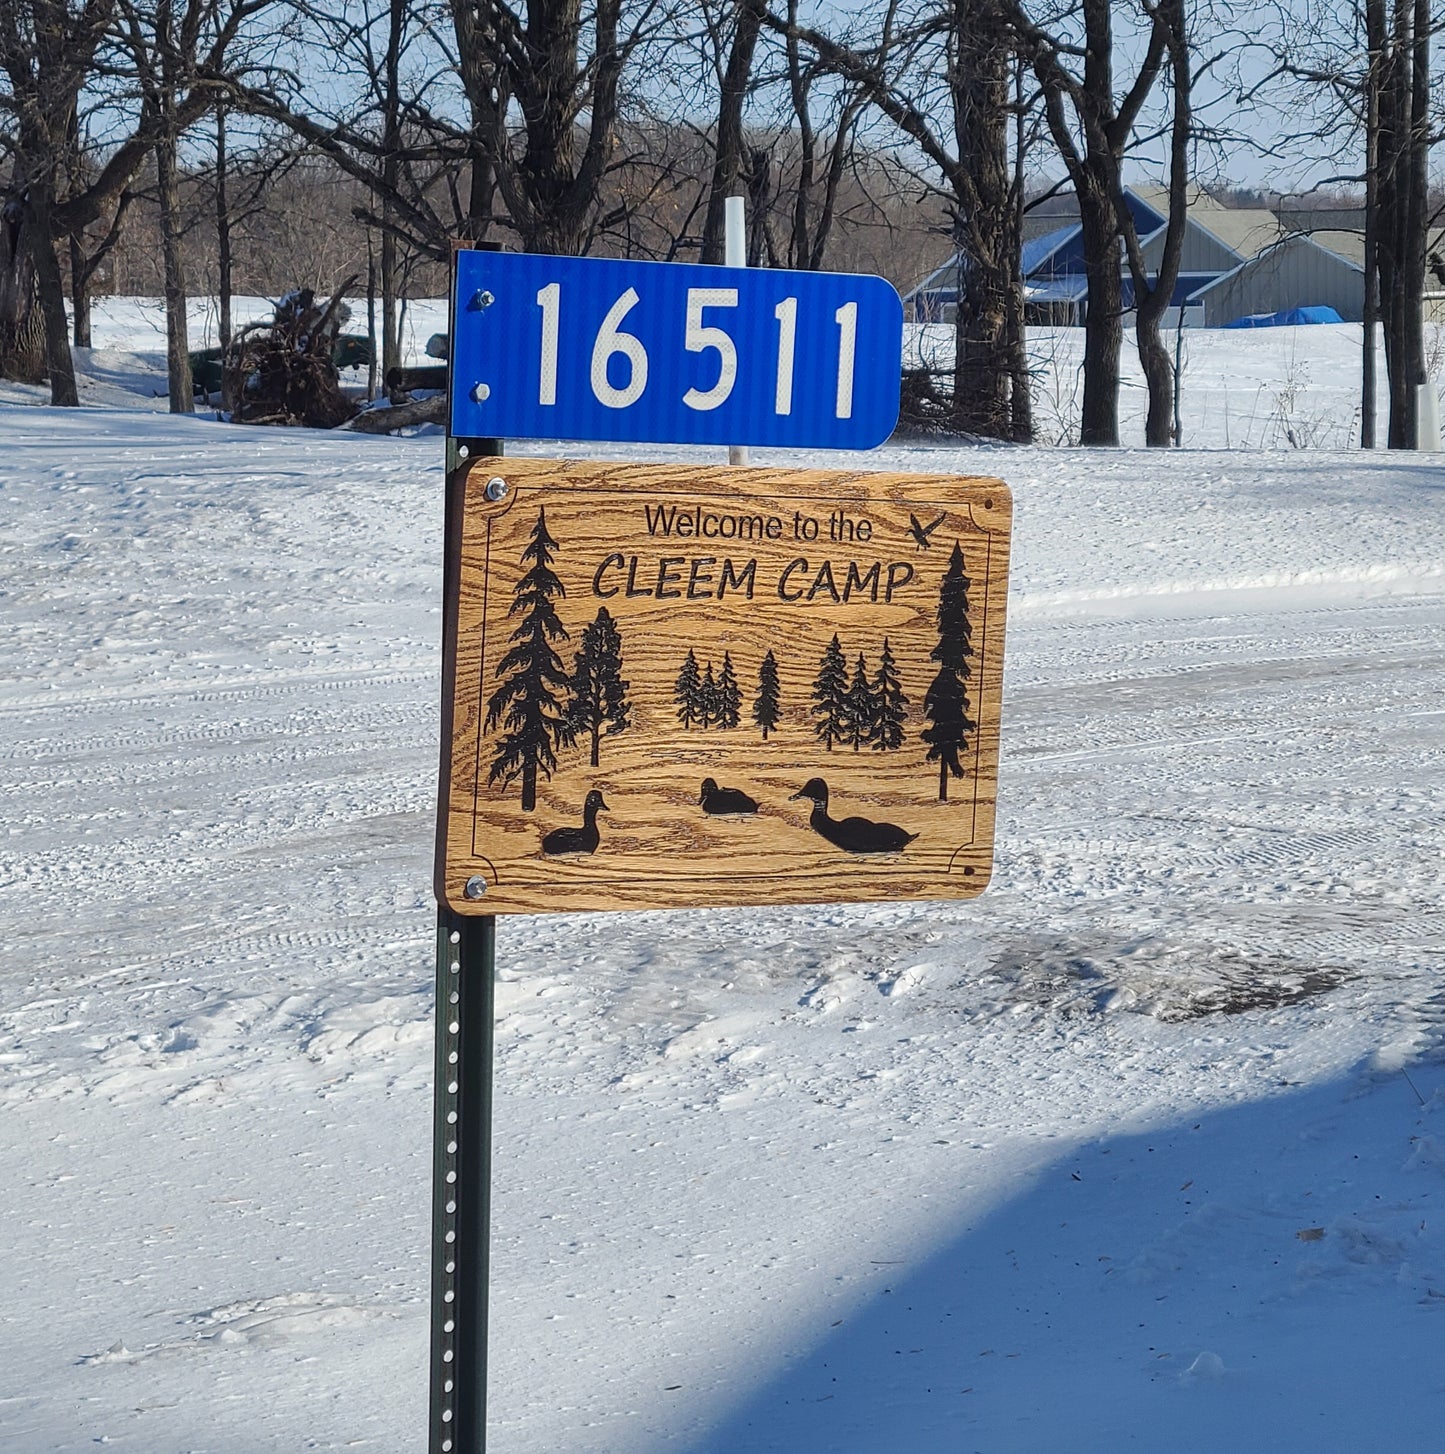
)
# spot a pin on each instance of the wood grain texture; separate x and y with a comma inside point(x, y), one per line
point(722, 563)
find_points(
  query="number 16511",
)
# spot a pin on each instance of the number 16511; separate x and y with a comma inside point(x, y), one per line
point(698, 337)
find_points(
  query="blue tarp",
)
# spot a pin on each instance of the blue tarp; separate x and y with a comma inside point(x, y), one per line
point(1286, 317)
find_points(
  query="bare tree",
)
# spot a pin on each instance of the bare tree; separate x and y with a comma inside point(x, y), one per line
point(47, 49)
point(1153, 296)
point(734, 39)
point(1401, 198)
point(565, 86)
point(1362, 75)
point(1092, 125)
point(541, 119)
point(825, 151)
point(965, 45)
point(161, 50)
point(50, 50)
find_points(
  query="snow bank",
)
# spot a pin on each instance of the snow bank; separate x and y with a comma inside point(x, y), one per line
point(1141, 1149)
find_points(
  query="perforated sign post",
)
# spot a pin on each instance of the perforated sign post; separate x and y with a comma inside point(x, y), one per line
point(684, 686)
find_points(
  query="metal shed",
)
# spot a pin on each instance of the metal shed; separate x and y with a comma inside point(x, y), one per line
point(1304, 270)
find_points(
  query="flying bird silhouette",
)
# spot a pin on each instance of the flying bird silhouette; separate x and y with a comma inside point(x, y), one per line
point(922, 533)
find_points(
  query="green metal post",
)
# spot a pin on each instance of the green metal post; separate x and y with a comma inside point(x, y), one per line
point(462, 1119)
point(466, 947)
point(462, 1182)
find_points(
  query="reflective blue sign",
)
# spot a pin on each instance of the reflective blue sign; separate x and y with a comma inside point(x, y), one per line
point(590, 348)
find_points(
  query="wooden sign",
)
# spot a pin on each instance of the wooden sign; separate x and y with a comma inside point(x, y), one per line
point(684, 686)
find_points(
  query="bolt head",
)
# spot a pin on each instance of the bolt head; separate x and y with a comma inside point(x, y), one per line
point(496, 488)
point(476, 887)
point(481, 393)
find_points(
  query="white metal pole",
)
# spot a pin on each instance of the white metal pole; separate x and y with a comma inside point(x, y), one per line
point(735, 255)
point(1427, 416)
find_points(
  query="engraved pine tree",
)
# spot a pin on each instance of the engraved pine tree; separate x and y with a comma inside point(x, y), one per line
point(687, 692)
point(830, 692)
point(599, 694)
point(530, 704)
point(708, 699)
point(766, 703)
point(729, 695)
point(860, 707)
point(946, 703)
point(890, 705)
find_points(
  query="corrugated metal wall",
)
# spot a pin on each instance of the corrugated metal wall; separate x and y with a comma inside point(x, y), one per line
point(1296, 274)
point(1202, 253)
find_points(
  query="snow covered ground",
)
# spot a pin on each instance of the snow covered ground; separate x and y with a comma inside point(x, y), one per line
point(1143, 1149)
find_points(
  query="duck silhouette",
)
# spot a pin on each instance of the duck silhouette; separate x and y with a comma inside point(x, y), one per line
point(852, 835)
point(578, 840)
point(725, 800)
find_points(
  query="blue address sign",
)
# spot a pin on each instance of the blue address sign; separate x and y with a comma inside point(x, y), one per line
point(590, 348)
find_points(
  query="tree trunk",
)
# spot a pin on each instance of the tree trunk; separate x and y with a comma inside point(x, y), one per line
point(728, 156)
point(1374, 76)
point(1395, 129)
point(371, 366)
point(1158, 380)
point(224, 261)
point(223, 232)
point(37, 231)
point(79, 292)
point(391, 176)
point(1152, 301)
point(1021, 395)
point(178, 360)
point(22, 331)
point(481, 190)
point(1103, 322)
point(432, 410)
point(983, 365)
point(390, 327)
point(1417, 215)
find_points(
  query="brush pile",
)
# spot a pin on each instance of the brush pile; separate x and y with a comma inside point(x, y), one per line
point(283, 372)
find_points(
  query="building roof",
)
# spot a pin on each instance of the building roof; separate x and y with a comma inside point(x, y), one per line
point(1347, 245)
point(1245, 231)
point(1322, 219)
point(1048, 214)
point(1036, 251)
point(1073, 288)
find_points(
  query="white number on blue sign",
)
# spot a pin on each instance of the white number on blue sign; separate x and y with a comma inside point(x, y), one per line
point(613, 341)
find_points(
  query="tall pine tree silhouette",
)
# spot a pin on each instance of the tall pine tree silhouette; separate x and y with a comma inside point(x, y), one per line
point(688, 692)
point(830, 692)
point(765, 704)
point(530, 703)
point(729, 695)
point(859, 707)
point(946, 704)
point(599, 694)
point(890, 706)
point(707, 698)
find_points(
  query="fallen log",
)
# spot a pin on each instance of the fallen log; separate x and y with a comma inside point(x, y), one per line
point(400, 416)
